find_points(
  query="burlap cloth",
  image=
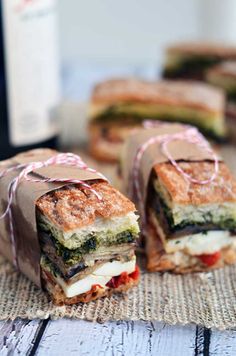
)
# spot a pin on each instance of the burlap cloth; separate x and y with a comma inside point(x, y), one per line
point(208, 299)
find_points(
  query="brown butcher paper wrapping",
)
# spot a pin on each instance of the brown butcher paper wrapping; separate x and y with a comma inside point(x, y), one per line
point(179, 150)
point(23, 208)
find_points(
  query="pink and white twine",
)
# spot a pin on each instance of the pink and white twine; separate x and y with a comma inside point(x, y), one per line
point(63, 159)
point(190, 135)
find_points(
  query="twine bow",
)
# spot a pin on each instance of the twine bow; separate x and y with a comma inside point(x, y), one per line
point(191, 135)
point(63, 159)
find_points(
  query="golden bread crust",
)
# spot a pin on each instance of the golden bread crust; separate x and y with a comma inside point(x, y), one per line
point(60, 299)
point(102, 151)
point(182, 191)
point(73, 207)
point(159, 261)
point(112, 131)
point(177, 93)
point(204, 48)
point(106, 140)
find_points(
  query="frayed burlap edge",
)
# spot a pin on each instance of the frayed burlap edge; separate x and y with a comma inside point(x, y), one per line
point(207, 299)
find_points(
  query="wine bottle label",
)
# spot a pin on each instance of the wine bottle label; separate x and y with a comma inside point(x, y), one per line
point(32, 68)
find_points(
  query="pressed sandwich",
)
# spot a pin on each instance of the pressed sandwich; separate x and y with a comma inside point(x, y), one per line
point(87, 244)
point(186, 196)
point(192, 227)
point(223, 76)
point(191, 60)
point(118, 107)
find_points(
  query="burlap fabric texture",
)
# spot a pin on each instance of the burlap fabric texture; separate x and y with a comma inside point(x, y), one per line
point(207, 299)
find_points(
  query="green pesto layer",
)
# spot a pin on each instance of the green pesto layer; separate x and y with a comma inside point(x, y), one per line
point(207, 124)
point(183, 65)
point(223, 222)
point(72, 256)
point(105, 231)
point(231, 95)
point(177, 217)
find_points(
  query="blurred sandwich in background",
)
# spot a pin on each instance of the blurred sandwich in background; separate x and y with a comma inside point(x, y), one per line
point(191, 60)
point(223, 75)
point(120, 106)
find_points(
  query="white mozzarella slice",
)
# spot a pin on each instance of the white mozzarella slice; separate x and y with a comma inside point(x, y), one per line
point(100, 276)
point(83, 285)
point(115, 268)
point(202, 243)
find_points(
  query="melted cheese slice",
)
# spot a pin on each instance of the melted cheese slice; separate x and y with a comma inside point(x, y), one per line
point(201, 243)
point(101, 276)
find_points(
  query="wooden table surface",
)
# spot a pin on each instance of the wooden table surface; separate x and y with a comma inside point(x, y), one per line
point(75, 337)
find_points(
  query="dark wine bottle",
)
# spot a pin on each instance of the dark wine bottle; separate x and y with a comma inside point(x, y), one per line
point(29, 75)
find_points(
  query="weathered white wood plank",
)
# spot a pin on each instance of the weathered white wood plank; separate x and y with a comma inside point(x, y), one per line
point(17, 337)
point(67, 337)
point(223, 343)
point(118, 338)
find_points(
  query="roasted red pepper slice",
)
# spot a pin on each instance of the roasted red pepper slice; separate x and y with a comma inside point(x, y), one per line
point(210, 259)
point(123, 278)
point(135, 275)
point(113, 283)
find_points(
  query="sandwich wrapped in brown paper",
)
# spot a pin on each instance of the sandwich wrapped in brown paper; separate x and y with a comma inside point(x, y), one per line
point(23, 208)
point(180, 150)
point(186, 196)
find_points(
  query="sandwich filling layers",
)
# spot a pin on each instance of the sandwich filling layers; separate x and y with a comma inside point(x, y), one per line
point(130, 102)
point(102, 232)
point(190, 218)
point(82, 237)
point(211, 123)
point(191, 60)
point(100, 276)
point(182, 66)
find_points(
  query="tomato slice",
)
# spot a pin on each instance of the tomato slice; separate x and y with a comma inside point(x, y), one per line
point(210, 259)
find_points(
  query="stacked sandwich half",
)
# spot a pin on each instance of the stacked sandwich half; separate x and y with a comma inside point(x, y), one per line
point(87, 243)
point(192, 227)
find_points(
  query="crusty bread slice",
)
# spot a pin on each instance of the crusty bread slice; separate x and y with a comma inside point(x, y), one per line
point(180, 191)
point(213, 203)
point(219, 50)
point(165, 92)
point(74, 207)
point(105, 151)
point(106, 139)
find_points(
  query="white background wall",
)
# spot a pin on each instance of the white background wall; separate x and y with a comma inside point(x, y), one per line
point(124, 31)
point(136, 31)
point(104, 38)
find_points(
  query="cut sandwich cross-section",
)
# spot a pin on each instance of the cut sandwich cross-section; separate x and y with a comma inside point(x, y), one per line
point(86, 242)
point(191, 226)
